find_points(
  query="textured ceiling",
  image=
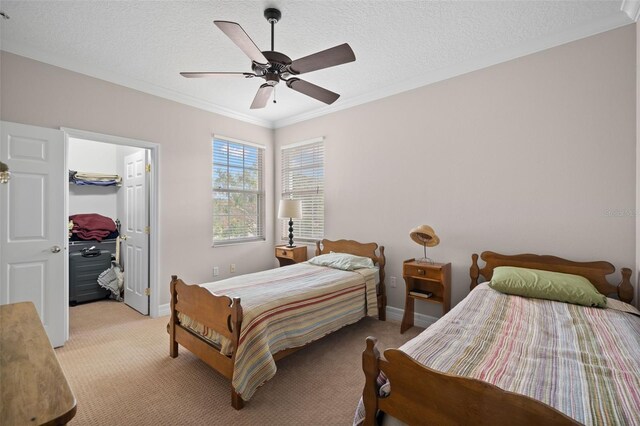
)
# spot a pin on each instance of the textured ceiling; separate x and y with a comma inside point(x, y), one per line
point(145, 44)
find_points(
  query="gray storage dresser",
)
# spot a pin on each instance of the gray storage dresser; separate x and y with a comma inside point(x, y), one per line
point(83, 276)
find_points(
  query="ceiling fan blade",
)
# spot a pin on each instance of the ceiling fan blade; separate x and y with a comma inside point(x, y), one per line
point(327, 58)
point(237, 35)
point(309, 89)
point(216, 74)
point(262, 97)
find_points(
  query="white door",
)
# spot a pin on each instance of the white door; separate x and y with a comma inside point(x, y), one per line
point(33, 225)
point(135, 228)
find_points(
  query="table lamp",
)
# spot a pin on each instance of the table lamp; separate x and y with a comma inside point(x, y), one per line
point(291, 209)
point(425, 236)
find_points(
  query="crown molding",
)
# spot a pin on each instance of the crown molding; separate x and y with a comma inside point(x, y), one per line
point(629, 13)
point(582, 31)
point(631, 8)
point(122, 80)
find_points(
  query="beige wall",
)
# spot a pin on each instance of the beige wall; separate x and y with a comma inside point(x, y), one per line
point(524, 156)
point(42, 95)
point(528, 155)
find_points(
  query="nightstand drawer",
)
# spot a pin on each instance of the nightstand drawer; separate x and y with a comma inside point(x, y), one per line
point(291, 255)
point(428, 271)
point(280, 252)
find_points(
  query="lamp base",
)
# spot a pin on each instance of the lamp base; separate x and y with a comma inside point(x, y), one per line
point(288, 246)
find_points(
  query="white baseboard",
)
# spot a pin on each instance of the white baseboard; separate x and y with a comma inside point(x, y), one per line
point(164, 310)
point(420, 320)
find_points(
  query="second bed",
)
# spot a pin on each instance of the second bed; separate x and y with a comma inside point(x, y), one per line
point(243, 325)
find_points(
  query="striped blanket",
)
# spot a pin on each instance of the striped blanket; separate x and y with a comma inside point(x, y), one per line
point(286, 308)
point(582, 361)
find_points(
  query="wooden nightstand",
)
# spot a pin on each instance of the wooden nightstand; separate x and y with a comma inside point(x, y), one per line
point(421, 278)
point(289, 256)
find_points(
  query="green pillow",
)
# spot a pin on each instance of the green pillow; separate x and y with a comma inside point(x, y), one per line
point(546, 285)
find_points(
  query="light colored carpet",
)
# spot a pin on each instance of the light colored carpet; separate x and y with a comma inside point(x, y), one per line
point(117, 362)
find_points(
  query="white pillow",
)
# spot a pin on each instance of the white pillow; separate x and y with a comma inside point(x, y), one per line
point(344, 261)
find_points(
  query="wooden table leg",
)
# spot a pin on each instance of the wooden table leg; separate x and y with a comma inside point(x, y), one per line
point(407, 319)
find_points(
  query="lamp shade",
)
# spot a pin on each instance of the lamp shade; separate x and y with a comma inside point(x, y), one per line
point(290, 209)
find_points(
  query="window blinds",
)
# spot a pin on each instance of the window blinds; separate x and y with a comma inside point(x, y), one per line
point(238, 192)
point(303, 179)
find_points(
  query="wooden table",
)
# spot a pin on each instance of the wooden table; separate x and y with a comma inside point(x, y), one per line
point(291, 255)
point(421, 279)
point(34, 390)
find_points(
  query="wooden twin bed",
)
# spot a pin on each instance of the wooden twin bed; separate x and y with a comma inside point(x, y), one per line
point(487, 340)
point(222, 319)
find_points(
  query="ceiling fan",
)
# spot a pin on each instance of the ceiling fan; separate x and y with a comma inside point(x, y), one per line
point(274, 66)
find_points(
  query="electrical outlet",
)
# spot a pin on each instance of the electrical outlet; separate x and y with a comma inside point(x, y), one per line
point(232, 268)
point(216, 271)
point(392, 281)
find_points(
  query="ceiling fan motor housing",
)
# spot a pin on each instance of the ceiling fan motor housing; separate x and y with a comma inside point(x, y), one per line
point(271, 78)
point(278, 63)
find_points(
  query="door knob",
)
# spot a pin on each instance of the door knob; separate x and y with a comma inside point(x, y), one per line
point(5, 175)
point(123, 237)
point(55, 249)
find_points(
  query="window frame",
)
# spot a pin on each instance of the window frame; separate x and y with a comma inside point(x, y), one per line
point(260, 192)
point(284, 229)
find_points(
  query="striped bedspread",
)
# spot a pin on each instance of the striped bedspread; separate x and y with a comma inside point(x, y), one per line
point(286, 308)
point(582, 361)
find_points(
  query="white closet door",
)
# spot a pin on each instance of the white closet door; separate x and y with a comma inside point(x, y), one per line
point(135, 236)
point(33, 225)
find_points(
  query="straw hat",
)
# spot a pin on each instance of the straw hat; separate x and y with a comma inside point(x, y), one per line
point(425, 235)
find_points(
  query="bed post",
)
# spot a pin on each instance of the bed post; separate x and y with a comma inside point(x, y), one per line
point(474, 271)
point(236, 399)
point(173, 345)
point(382, 305)
point(318, 250)
point(625, 289)
point(234, 324)
point(370, 358)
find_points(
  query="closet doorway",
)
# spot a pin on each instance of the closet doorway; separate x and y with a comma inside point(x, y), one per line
point(112, 210)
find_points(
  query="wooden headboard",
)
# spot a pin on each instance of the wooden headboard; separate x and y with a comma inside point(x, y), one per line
point(352, 247)
point(596, 272)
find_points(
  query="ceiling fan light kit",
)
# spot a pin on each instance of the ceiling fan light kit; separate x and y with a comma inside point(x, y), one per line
point(274, 67)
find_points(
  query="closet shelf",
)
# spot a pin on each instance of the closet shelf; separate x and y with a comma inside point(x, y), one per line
point(94, 179)
point(111, 185)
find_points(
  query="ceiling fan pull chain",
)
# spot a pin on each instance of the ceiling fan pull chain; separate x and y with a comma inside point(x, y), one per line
point(274, 95)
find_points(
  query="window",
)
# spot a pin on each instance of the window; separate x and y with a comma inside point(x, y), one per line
point(303, 179)
point(238, 192)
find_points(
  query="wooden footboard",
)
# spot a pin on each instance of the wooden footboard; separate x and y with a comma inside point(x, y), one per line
point(420, 395)
point(219, 313)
